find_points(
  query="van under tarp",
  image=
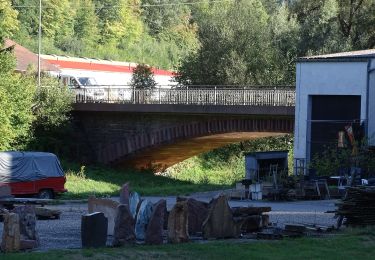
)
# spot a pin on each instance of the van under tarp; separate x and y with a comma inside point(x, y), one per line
point(28, 166)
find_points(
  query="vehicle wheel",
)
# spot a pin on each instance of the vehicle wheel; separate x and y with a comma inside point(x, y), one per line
point(45, 194)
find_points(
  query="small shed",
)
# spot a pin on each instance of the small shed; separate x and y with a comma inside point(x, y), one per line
point(260, 166)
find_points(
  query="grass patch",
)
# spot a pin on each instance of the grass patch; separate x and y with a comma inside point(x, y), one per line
point(214, 170)
point(352, 244)
point(104, 181)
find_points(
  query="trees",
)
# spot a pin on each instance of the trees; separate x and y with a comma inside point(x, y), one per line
point(143, 77)
point(86, 23)
point(8, 20)
point(16, 100)
point(235, 47)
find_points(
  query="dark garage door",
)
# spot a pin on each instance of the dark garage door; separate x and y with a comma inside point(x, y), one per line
point(329, 115)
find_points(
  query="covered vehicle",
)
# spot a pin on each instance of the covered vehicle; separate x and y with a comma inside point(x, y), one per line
point(32, 173)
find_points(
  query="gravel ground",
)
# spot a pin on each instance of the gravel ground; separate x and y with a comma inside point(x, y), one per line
point(65, 232)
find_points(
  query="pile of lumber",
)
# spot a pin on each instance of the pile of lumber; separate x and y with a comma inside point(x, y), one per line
point(358, 207)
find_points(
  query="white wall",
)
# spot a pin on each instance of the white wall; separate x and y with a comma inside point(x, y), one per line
point(325, 78)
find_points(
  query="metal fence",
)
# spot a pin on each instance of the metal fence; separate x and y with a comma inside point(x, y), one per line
point(192, 95)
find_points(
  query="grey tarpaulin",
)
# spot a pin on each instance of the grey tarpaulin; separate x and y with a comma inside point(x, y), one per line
point(28, 166)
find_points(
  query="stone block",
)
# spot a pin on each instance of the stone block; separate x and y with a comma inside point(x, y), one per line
point(197, 214)
point(94, 230)
point(11, 233)
point(124, 226)
point(27, 220)
point(124, 194)
point(220, 222)
point(178, 223)
point(108, 207)
point(143, 217)
point(155, 227)
point(134, 202)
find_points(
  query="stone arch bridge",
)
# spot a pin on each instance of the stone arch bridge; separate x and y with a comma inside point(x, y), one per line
point(118, 129)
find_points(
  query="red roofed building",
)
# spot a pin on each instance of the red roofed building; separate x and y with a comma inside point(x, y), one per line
point(26, 58)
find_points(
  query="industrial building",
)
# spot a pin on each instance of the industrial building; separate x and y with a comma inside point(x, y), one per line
point(335, 98)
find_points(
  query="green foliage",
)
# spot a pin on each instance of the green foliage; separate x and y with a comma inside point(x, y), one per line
point(241, 44)
point(16, 99)
point(332, 159)
point(226, 165)
point(50, 129)
point(103, 181)
point(143, 77)
point(8, 20)
point(86, 23)
point(52, 104)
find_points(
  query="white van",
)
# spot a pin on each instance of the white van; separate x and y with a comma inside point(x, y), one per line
point(85, 88)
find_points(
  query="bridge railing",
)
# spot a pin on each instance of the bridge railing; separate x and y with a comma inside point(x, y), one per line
point(250, 96)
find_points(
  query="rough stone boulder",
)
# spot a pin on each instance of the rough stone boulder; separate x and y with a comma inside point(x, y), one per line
point(220, 222)
point(134, 203)
point(178, 223)
point(11, 233)
point(108, 207)
point(124, 194)
point(143, 218)
point(197, 214)
point(124, 227)
point(27, 220)
point(155, 227)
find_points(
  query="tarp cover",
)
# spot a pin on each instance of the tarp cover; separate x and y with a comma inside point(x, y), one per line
point(28, 166)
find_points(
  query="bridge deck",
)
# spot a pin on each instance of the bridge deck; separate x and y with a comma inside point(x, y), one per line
point(215, 96)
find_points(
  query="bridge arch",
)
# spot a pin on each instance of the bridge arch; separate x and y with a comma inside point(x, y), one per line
point(136, 142)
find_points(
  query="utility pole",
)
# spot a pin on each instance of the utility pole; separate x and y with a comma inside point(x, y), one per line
point(39, 40)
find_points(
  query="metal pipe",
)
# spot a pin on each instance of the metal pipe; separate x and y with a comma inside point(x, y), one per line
point(39, 40)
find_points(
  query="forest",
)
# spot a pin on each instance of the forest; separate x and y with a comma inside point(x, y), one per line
point(227, 42)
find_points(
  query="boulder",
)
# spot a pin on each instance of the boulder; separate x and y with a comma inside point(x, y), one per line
point(220, 222)
point(11, 233)
point(124, 194)
point(155, 227)
point(178, 223)
point(197, 214)
point(94, 228)
point(108, 207)
point(27, 220)
point(143, 217)
point(134, 202)
point(26, 244)
point(124, 227)
point(45, 213)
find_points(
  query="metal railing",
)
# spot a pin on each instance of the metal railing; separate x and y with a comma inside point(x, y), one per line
point(192, 95)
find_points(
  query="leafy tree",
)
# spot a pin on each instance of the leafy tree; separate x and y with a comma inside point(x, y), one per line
point(57, 18)
point(86, 23)
point(16, 99)
point(119, 21)
point(51, 109)
point(8, 20)
point(285, 36)
point(143, 77)
point(235, 47)
point(356, 20)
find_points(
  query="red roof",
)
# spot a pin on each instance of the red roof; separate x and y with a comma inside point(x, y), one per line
point(25, 58)
point(64, 64)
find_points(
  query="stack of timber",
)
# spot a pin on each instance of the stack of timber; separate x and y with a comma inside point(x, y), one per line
point(358, 207)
